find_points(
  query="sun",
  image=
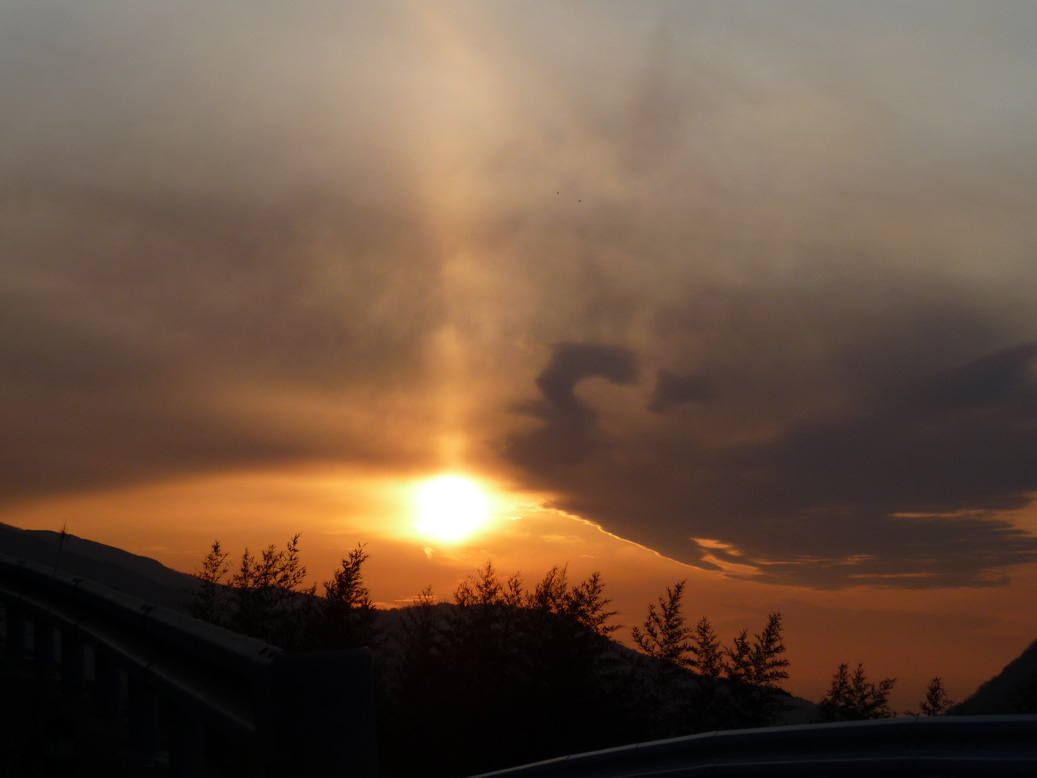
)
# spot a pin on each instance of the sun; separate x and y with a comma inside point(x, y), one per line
point(450, 508)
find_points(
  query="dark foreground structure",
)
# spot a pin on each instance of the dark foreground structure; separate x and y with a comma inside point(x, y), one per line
point(938, 746)
point(185, 689)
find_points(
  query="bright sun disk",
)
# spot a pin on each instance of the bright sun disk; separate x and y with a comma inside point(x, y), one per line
point(451, 507)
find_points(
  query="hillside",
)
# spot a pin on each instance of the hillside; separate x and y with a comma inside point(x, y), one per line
point(1013, 690)
point(137, 575)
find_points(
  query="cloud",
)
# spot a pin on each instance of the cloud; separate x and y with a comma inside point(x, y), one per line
point(902, 492)
point(149, 336)
point(567, 433)
point(572, 363)
point(1006, 380)
point(672, 389)
point(959, 442)
point(801, 271)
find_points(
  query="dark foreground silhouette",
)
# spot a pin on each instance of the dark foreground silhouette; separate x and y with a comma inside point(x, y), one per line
point(504, 675)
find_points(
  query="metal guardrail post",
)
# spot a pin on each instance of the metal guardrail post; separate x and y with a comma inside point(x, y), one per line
point(186, 745)
point(73, 664)
point(17, 631)
point(283, 712)
point(319, 717)
point(145, 735)
point(43, 641)
point(108, 687)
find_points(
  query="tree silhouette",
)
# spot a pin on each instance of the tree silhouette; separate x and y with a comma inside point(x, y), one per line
point(852, 697)
point(270, 601)
point(754, 668)
point(424, 699)
point(584, 603)
point(422, 639)
point(757, 669)
point(767, 658)
point(936, 700)
point(551, 593)
point(207, 603)
point(665, 634)
point(739, 659)
point(707, 655)
point(760, 662)
point(346, 614)
point(588, 606)
point(709, 702)
point(505, 675)
point(486, 588)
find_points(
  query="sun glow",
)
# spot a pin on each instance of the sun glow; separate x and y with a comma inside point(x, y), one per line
point(450, 508)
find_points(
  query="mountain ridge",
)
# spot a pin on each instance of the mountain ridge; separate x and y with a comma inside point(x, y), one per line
point(1013, 690)
point(140, 576)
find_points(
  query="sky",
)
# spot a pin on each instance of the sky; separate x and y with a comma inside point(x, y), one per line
point(734, 292)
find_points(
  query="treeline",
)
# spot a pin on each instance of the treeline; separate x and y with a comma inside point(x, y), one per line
point(266, 599)
point(507, 674)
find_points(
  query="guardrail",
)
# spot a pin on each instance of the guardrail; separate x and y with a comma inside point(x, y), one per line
point(938, 746)
point(287, 713)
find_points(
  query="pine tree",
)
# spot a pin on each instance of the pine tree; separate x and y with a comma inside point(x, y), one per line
point(549, 596)
point(852, 697)
point(760, 662)
point(739, 659)
point(346, 613)
point(665, 635)
point(767, 655)
point(707, 656)
point(486, 588)
point(207, 603)
point(587, 605)
point(584, 603)
point(270, 601)
point(936, 700)
point(757, 667)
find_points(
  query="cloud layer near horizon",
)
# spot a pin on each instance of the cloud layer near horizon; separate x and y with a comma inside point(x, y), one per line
point(753, 289)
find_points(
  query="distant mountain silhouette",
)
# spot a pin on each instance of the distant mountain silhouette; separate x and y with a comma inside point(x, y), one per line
point(1013, 690)
point(795, 710)
point(152, 581)
point(575, 692)
point(140, 576)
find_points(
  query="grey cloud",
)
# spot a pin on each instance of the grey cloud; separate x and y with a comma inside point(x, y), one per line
point(672, 389)
point(573, 362)
point(234, 237)
point(892, 494)
point(968, 446)
point(151, 335)
point(1006, 380)
point(567, 433)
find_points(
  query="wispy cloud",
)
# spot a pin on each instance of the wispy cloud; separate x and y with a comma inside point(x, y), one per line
point(761, 278)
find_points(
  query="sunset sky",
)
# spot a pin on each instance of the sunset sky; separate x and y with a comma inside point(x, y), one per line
point(737, 292)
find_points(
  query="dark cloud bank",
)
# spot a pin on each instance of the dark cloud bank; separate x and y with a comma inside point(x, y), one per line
point(794, 308)
point(151, 337)
point(899, 491)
